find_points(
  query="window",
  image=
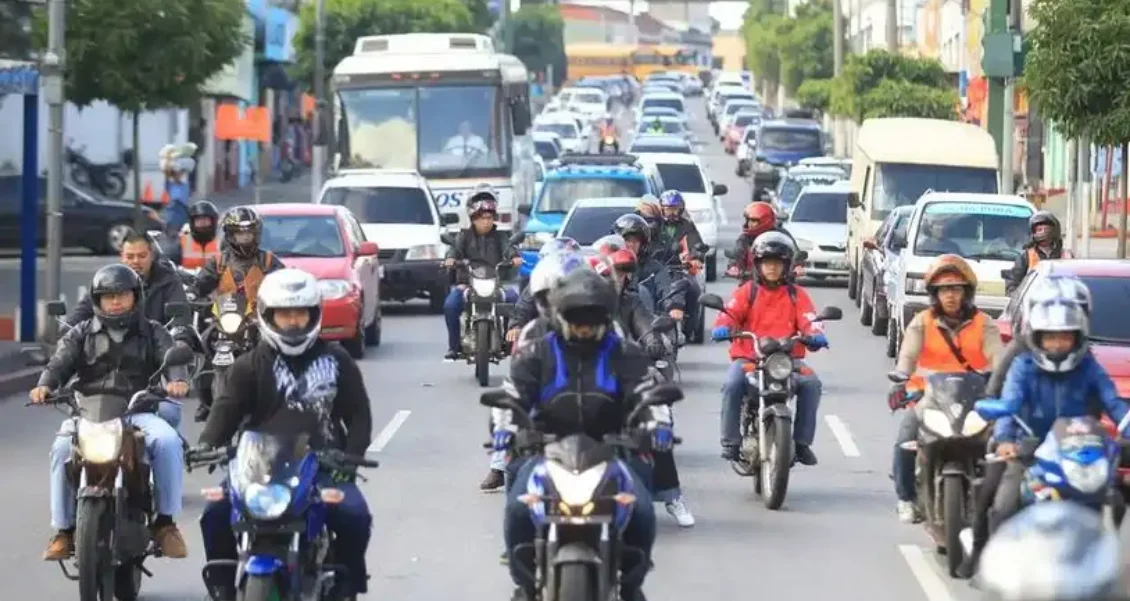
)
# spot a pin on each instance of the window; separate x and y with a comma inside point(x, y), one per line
point(559, 195)
point(567, 131)
point(300, 236)
point(381, 125)
point(355, 231)
point(669, 126)
point(746, 120)
point(789, 139)
point(590, 223)
point(898, 230)
point(1108, 322)
point(734, 107)
point(673, 146)
point(383, 204)
point(589, 98)
point(899, 184)
point(820, 207)
point(671, 103)
point(973, 230)
point(546, 149)
point(684, 178)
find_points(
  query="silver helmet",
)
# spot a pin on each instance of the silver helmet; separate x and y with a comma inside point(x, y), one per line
point(289, 289)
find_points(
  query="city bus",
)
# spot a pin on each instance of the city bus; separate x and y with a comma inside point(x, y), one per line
point(597, 60)
point(446, 105)
point(648, 59)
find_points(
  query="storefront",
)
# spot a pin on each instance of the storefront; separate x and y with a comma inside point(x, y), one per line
point(231, 161)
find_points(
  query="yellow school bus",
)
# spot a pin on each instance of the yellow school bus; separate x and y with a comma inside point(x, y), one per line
point(648, 59)
point(595, 60)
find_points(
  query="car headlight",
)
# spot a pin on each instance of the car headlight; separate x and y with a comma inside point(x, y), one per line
point(575, 489)
point(230, 322)
point(483, 287)
point(804, 245)
point(266, 501)
point(99, 442)
point(702, 215)
point(1087, 478)
point(535, 240)
point(915, 284)
point(974, 424)
point(766, 167)
point(423, 252)
point(334, 289)
point(937, 422)
point(779, 366)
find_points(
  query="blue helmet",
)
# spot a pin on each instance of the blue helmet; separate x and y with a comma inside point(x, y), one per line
point(672, 199)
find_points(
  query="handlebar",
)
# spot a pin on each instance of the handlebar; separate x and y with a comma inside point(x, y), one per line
point(634, 439)
point(332, 458)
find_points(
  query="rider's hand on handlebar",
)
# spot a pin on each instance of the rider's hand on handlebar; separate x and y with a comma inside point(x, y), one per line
point(177, 389)
point(448, 262)
point(512, 334)
point(720, 333)
point(676, 314)
point(516, 261)
point(39, 394)
point(1007, 450)
point(816, 342)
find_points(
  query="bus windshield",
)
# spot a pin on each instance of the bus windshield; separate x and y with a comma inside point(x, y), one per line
point(442, 131)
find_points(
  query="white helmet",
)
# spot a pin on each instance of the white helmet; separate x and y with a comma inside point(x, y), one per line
point(1057, 315)
point(1053, 287)
point(289, 289)
point(548, 272)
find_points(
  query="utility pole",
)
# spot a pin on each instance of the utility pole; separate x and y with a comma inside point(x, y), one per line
point(837, 67)
point(53, 64)
point(321, 125)
point(1008, 123)
point(893, 25)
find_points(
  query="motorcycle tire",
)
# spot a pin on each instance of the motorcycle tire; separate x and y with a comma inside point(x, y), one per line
point(576, 582)
point(776, 461)
point(114, 185)
point(94, 526)
point(260, 588)
point(127, 582)
point(80, 176)
point(953, 517)
point(482, 352)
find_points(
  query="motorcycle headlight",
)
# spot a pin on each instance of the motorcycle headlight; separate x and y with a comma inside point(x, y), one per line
point(230, 322)
point(575, 489)
point(702, 216)
point(100, 442)
point(915, 284)
point(334, 289)
point(266, 501)
point(483, 287)
point(1088, 478)
point(937, 422)
point(423, 252)
point(534, 241)
point(973, 425)
point(779, 366)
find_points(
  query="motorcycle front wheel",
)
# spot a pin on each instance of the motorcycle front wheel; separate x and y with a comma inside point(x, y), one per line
point(777, 460)
point(576, 582)
point(953, 514)
point(94, 525)
point(482, 352)
point(260, 588)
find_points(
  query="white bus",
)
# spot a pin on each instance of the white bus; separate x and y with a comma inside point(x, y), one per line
point(446, 105)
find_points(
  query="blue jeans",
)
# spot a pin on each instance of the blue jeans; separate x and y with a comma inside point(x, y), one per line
point(518, 527)
point(808, 391)
point(453, 310)
point(349, 521)
point(175, 216)
point(903, 469)
point(165, 452)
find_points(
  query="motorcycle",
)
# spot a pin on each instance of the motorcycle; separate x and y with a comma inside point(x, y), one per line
point(743, 275)
point(767, 448)
point(692, 332)
point(609, 145)
point(484, 318)
point(229, 331)
point(107, 179)
point(279, 515)
point(584, 502)
point(115, 504)
point(949, 466)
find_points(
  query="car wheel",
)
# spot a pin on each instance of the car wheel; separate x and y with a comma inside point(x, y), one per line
point(893, 336)
point(373, 332)
point(879, 324)
point(853, 281)
point(711, 269)
point(864, 311)
point(115, 235)
point(356, 345)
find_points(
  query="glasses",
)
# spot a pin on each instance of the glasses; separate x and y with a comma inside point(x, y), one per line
point(960, 288)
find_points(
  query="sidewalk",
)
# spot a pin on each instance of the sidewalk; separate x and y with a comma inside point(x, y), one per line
point(296, 190)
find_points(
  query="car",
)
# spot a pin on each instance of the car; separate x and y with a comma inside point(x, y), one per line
point(653, 144)
point(780, 145)
point(547, 144)
point(685, 173)
point(878, 251)
point(988, 229)
point(591, 102)
point(735, 132)
point(718, 90)
point(692, 85)
point(797, 178)
point(327, 242)
point(89, 221)
point(818, 222)
point(672, 126)
point(828, 162)
point(746, 150)
point(662, 87)
point(574, 177)
point(662, 111)
point(591, 218)
point(568, 132)
point(729, 110)
point(397, 210)
point(724, 96)
point(666, 99)
point(1109, 283)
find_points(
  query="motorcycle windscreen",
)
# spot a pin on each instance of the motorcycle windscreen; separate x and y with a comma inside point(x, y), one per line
point(232, 302)
point(102, 407)
point(263, 459)
point(1080, 438)
point(576, 413)
point(482, 270)
point(958, 388)
point(578, 452)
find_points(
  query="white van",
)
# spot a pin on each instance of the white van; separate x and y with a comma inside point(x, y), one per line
point(988, 230)
point(897, 159)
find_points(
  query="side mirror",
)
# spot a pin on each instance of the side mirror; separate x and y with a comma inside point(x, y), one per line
point(830, 313)
point(1006, 274)
point(897, 377)
point(368, 249)
point(56, 308)
point(525, 209)
point(802, 256)
point(991, 409)
point(712, 301)
point(521, 119)
point(180, 354)
point(447, 239)
point(663, 324)
point(179, 309)
point(720, 189)
point(869, 244)
point(853, 200)
point(449, 219)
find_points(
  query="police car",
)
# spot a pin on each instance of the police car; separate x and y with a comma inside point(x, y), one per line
point(576, 176)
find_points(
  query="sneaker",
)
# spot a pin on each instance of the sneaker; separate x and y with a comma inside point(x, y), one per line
point(805, 456)
point(678, 510)
point(451, 356)
point(908, 512)
point(61, 547)
point(494, 481)
point(170, 541)
point(731, 453)
point(202, 412)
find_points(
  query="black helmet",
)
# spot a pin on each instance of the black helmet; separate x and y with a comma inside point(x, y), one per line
point(633, 225)
point(115, 279)
point(199, 209)
point(773, 245)
point(1044, 218)
point(582, 298)
point(241, 220)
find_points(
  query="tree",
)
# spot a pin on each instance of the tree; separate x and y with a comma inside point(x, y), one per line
point(536, 35)
point(347, 20)
point(869, 86)
point(481, 19)
point(788, 51)
point(815, 94)
point(897, 98)
point(15, 39)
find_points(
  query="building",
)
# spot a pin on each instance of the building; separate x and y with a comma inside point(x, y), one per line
point(596, 24)
point(866, 22)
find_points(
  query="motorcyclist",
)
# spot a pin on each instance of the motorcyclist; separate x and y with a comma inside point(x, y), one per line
point(200, 243)
point(291, 383)
point(656, 126)
point(115, 352)
point(239, 269)
point(757, 218)
point(650, 280)
point(648, 209)
point(483, 241)
point(679, 244)
point(526, 308)
point(770, 305)
point(953, 335)
point(1046, 244)
point(581, 357)
point(608, 131)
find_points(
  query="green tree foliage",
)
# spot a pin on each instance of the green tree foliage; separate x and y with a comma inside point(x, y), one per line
point(1079, 65)
point(15, 34)
point(815, 94)
point(788, 51)
point(885, 84)
point(481, 19)
point(347, 20)
point(536, 35)
point(897, 98)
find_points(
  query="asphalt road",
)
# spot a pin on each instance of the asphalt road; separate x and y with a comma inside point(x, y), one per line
point(437, 538)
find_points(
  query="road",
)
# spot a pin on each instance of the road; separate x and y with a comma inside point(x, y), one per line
point(437, 538)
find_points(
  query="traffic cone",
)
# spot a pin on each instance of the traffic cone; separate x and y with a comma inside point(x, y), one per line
point(164, 197)
point(147, 194)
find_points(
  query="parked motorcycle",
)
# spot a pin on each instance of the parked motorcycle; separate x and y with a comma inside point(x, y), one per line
point(767, 449)
point(108, 179)
point(284, 549)
point(584, 504)
point(115, 504)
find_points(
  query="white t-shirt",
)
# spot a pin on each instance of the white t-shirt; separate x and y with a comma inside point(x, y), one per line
point(469, 146)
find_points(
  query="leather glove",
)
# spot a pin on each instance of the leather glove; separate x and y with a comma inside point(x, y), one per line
point(720, 333)
point(817, 342)
point(503, 439)
point(896, 398)
point(662, 437)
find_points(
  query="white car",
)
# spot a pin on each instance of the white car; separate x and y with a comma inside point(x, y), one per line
point(720, 90)
point(590, 102)
point(664, 99)
point(746, 152)
point(397, 210)
point(829, 162)
point(732, 107)
point(818, 222)
point(685, 173)
point(570, 135)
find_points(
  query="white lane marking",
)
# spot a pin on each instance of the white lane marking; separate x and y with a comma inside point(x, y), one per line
point(843, 436)
point(928, 579)
point(389, 431)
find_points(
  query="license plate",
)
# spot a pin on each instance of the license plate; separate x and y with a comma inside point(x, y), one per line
point(223, 359)
point(838, 265)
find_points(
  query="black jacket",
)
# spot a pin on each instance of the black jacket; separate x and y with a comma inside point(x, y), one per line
point(667, 246)
point(102, 366)
point(162, 287)
point(653, 276)
point(208, 278)
point(636, 320)
point(745, 241)
point(493, 247)
point(1020, 266)
point(253, 393)
point(525, 310)
point(580, 406)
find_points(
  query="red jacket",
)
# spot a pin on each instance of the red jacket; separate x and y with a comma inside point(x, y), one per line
point(772, 313)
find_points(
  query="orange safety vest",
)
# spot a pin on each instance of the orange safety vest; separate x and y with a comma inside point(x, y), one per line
point(938, 357)
point(1034, 258)
point(250, 282)
point(194, 255)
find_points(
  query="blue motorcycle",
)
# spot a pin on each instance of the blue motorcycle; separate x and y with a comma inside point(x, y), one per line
point(279, 515)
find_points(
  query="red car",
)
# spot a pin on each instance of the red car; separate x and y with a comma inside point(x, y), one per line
point(327, 242)
point(734, 136)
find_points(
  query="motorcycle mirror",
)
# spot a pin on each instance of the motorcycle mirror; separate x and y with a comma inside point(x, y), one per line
point(180, 354)
point(447, 239)
point(178, 309)
point(712, 301)
point(991, 409)
point(830, 313)
point(1006, 274)
point(663, 324)
point(56, 308)
point(897, 377)
point(802, 256)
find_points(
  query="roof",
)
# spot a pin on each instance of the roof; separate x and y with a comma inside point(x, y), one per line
point(951, 142)
point(840, 187)
point(649, 25)
point(662, 95)
point(815, 170)
point(1010, 199)
point(394, 178)
point(660, 109)
point(593, 203)
point(297, 209)
point(670, 158)
point(653, 140)
point(581, 12)
point(1087, 267)
point(798, 124)
point(582, 171)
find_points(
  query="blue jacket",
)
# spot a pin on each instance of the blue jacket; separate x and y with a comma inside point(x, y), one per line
point(1040, 397)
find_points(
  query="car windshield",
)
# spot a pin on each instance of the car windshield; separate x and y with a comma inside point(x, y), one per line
point(789, 139)
point(820, 207)
point(682, 177)
point(588, 98)
point(900, 184)
point(671, 103)
point(669, 126)
point(1108, 299)
point(383, 204)
point(974, 230)
point(734, 107)
point(656, 111)
point(791, 186)
point(644, 146)
point(546, 150)
point(299, 236)
point(588, 224)
point(565, 130)
point(747, 119)
point(559, 195)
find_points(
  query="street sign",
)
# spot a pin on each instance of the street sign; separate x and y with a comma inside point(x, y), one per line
point(18, 77)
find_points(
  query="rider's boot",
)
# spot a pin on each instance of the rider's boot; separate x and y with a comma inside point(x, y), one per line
point(731, 452)
point(61, 547)
point(169, 538)
point(494, 481)
point(804, 455)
